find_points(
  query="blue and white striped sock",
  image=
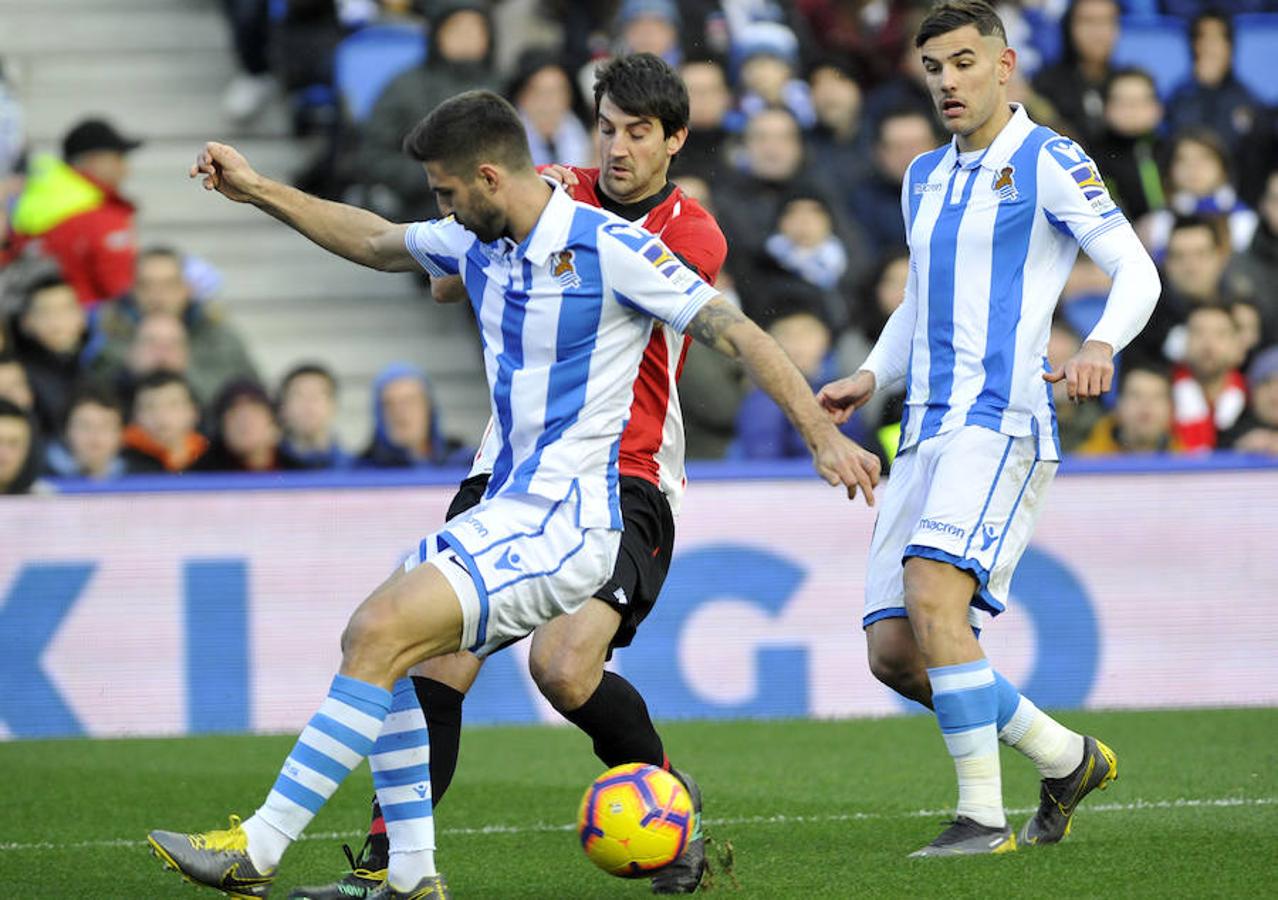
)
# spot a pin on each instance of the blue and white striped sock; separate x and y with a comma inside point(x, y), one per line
point(965, 697)
point(401, 775)
point(337, 737)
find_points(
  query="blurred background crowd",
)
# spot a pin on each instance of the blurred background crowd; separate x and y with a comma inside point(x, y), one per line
point(134, 346)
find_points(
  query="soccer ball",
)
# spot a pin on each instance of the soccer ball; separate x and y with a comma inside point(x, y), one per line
point(634, 819)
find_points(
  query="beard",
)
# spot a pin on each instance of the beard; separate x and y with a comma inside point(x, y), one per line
point(484, 220)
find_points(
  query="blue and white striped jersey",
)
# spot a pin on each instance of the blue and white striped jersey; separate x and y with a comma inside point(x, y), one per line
point(564, 316)
point(992, 241)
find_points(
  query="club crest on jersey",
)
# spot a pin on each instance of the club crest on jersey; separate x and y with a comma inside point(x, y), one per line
point(564, 271)
point(1005, 183)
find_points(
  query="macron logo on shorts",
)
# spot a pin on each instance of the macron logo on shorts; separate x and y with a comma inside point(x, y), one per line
point(943, 527)
point(509, 560)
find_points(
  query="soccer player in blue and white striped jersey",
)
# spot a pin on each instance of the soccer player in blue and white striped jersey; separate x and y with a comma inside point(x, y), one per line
point(994, 221)
point(565, 295)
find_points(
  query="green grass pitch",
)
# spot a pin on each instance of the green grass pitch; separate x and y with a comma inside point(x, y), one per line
point(812, 809)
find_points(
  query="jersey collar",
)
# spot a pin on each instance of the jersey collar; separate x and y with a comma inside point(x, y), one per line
point(633, 212)
point(550, 234)
point(1005, 143)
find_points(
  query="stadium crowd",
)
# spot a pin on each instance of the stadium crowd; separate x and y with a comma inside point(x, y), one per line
point(805, 115)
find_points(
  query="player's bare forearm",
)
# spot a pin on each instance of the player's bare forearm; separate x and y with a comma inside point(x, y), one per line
point(350, 232)
point(725, 328)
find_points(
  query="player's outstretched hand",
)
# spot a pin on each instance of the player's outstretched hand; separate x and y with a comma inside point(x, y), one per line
point(1088, 373)
point(841, 460)
point(844, 397)
point(226, 171)
point(564, 175)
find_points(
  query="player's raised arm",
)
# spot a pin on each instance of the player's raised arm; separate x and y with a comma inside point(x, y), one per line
point(838, 459)
point(348, 231)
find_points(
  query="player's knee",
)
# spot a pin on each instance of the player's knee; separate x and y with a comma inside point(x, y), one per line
point(563, 679)
point(902, 674)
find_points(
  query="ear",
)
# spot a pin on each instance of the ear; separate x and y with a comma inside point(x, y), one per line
point(490, 176)
point(675, 142)
point(1006, 65)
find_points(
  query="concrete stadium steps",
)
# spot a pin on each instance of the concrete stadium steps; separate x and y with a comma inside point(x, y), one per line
point(158, 69)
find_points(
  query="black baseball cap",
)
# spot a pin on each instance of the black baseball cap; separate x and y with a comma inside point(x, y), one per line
point(95, 134)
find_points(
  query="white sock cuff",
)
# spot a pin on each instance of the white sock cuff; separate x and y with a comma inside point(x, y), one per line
point(1020, 722)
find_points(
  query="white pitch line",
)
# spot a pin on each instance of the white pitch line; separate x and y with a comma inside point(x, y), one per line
point(780, 819)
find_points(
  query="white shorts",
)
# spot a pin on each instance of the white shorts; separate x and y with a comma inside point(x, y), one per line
point(968, 497)
point(516, 561)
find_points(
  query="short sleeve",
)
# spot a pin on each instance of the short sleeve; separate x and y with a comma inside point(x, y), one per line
point(438, 245)
point(644, 275)
point(1073, 194)
point(699, 243)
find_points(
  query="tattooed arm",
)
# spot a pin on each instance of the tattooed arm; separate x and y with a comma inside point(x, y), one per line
point(720, 325)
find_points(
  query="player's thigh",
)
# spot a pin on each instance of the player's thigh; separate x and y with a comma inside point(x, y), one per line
point(901, 505)
point(891, 648)
point(573, 647)
point(457, 670)
point(413, 616)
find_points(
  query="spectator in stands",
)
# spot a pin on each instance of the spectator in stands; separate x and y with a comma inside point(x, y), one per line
point(19, 451)
point(1199, 183)
point(458, 59)
point(1130, 148)
point(49, 341)
point(407, 432)
point(646, 26)
point(92, 438)
point(711, 388)
point(711, 119)
point(1251, 331)
point(73, 209)
point(1075, 85)
point(1254, 272)
point(246, 436)
point(804, 243)
point(252, 87)
point(307, 405)
point(1074, 421)
point(216, 351)
point(763, 431)
point(1256, 431)
point(1208, 392)
point(765, 56)
point(1197, 254)
point(880, 293)
point(163, 436)
point(15, 387)
point(548, 102)
point(1214, 98)
point(1141, 421)
point(837, 141)
point(159, 344)
point(907, 89)
point(876, 203)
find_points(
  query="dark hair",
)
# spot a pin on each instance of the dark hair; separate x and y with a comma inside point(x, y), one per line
point(1211, 15)
point(1183, 223)
point(43, 282)
point(955, 14)
point(1149, 367)
point(302, 370)
point(1129, 72)
point(1223, 308)
point(465, 131)
point(1206, 137)
point(162, 378)
point(28, 471)
point(1069, 53)
point(162, 251)
point(644, 85)
point(91, 395)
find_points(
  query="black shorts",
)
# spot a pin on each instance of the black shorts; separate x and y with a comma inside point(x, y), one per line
point(647, 546)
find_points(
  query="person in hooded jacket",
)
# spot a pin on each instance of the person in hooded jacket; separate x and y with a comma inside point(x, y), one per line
point(49, 341)
point(406, 433)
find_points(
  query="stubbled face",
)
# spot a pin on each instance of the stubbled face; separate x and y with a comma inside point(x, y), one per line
point(1144, 410)
point(166, 413)
point(160, 286)
point(1212, 347)
point(55, 319)
point(15, 444)
point(471, 202)
point(965, 74)
point(93, 436)
point(773, 145)
point(634, 152)
point(14, 385)
point(249, 429)
point(1094, 29)
point(1194, 263)
point(1132, 108)
point(406, 412)
point(308, 407)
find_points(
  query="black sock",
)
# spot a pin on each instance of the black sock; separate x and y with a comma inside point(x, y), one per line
point(616, 718)
point(443, 707)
